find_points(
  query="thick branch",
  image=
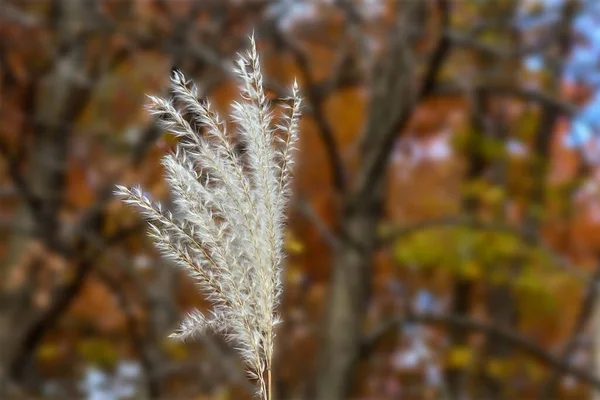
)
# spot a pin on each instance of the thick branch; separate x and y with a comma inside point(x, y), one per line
point(392, 103)
point(18, 179)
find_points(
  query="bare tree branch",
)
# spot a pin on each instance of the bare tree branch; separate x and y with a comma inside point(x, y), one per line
point(584, 315)
point(18, 179)
point(397, 91)
point(34, 327)
point(139, 341)
point(304, 207)
point(518, 341)
point(468, 40)
point(316, 99)
point(527, 94)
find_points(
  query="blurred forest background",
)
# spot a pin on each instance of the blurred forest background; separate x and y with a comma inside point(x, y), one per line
point(444, 235)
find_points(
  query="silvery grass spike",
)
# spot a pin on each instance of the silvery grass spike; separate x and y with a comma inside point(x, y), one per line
point(227, 229)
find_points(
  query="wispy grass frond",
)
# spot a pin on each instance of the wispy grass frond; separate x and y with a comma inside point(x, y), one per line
point(227, 228)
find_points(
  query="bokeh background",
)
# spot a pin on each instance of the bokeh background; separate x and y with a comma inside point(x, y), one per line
point(444, 234)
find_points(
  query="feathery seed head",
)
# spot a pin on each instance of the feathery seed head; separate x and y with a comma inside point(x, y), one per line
point(228, 227)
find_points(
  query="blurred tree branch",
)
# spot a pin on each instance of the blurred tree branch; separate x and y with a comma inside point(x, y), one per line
point(584, 315)
point(139, 342)
point(305, 209)
point(495, 89)
point(391, 122)
point(316, 99)
point(524, 344)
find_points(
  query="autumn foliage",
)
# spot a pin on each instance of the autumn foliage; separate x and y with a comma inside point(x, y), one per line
point(450, 162)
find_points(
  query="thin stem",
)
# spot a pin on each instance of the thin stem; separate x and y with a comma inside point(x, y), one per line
point(263, 387)
point(270, 392)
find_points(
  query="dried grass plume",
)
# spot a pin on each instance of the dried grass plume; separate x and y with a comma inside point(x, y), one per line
point(230, 192)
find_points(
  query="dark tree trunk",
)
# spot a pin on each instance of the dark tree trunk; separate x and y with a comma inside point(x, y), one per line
point(347, 304)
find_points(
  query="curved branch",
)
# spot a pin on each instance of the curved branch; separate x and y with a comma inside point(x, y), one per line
point(533, 95)
point(315, 97)
point(139, 342)
point(394, 84)
point(510, 336)
point(586, 312)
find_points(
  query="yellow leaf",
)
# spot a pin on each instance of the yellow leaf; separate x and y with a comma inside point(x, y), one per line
point(100, 352)
point(294, 274)
point(497, 367)
point(222, 394)
point(175, 349)
point(460, 356)
point(293, 245)
point(535, 371)
point(472, 270)
point(383, 230)
point(47, 352)
point(498, 277)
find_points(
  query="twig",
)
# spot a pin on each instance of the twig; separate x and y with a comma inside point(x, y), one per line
point(304, 207)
